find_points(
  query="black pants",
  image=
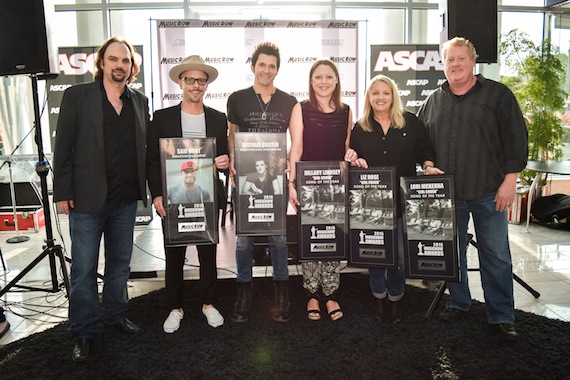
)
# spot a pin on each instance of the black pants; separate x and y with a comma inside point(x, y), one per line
point(175, 274)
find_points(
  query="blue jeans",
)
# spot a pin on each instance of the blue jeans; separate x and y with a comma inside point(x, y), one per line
point(244, 257)
point(393, 281)
point(495, 265)
point(116, 221)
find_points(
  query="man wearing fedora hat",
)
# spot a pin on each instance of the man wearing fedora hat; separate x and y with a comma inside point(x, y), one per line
point(191, 118)
point(263, 108)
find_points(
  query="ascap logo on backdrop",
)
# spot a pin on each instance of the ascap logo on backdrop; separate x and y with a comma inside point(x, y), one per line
point(417, 82)
point(404, 60)
point(343, 59)
point(404, 92)
point(81, 63)
point(332, 42)
point(174, 24)
point(339, 25)
point(217, 95)
point(216, 24)
point(301, 59)
point(169, 96)
point(77, 63)
point(170, 60)
point(219, 59)
point(259, 24)
point(302, 24)
point(58, 87)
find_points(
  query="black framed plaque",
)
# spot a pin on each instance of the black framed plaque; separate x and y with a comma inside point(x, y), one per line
point(430, 238)
point(188, 180)
point(372, 217)
point(321, 188)
point(260, 162)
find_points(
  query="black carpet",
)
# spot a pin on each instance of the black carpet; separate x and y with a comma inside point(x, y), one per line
point(354, 347)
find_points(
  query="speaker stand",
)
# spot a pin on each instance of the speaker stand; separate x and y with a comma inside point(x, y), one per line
point(18, 238)
point(51, 250)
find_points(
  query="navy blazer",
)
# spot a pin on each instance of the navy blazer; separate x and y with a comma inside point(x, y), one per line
point(167, 123)
point(79, 152)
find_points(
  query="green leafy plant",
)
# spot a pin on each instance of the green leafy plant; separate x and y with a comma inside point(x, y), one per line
point(538, 85)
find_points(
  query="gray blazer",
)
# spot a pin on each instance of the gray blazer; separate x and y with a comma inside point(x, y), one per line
point(79, 153)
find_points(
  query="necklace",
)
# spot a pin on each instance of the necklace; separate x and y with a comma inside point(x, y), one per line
point(263, 110)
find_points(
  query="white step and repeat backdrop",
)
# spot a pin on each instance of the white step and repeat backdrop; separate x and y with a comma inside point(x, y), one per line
point(228, 45)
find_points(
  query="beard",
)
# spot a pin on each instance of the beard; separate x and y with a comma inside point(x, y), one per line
point(120, 77)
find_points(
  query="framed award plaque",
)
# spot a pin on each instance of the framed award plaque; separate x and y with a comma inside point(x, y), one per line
point(430, 238)
point(188, 180)
point(322, 213)
point(261, 203)
point(372, 217)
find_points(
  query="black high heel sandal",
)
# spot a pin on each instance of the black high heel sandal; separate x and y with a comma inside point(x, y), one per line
point(336, 313)
point(313, 314)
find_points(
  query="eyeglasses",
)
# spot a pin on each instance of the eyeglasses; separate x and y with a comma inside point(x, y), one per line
point(190, 80)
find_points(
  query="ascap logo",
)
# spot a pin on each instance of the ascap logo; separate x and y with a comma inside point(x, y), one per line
point(169, 96)
point(170, 60)
point(332, 42)
point(340, 25)
point(217, 95)
point(414, 103)
point(81, 63)
point(404, 60)
point(217, 24)
point(301, 59)
point(174, 24)
point(260, 217)
point(259, 24)
point(343, 59)
point(431, 265)
point(179, 42)
point(302, 24)
point(59, 87)
point(417, 82)
point(143, 219)
point(54, 110)
point(426, 92)
point(135, 86)
point(219, 59)
point(323, 247)
point(404, 92)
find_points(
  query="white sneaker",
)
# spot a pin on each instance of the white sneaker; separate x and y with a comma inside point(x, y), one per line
point(213, 316)
point(172, 323)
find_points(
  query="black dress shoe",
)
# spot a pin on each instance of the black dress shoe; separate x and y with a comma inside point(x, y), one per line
point(127, 327)
point(451, 314)
point(81, 350)
point(507, 330)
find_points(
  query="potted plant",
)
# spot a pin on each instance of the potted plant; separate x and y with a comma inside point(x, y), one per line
point(538, 85)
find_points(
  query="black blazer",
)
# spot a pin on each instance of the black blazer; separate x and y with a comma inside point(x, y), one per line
point(167, 123)
point(79, 152)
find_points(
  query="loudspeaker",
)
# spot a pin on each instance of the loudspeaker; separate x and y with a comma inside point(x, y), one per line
point(25, 38)
point(24, 193)
point(475, 20)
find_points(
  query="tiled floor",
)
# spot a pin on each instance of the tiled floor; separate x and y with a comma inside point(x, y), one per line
point(541, 258)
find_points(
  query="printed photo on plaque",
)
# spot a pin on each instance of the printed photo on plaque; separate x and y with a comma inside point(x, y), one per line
point(372, 217)
point(430, 242)
point(261, 203)
point(322, 216)
point(189, 177)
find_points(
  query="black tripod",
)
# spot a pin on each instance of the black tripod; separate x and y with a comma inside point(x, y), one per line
point(51, 250)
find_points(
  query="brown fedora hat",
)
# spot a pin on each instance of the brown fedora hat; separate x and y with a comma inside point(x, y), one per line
point(193, 62)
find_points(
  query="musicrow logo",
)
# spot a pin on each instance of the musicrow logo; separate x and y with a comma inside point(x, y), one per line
point(170, 60)
point(219, 59)
point(332, 42)
point(174, 24)
point(301, 59)
point(323, 247)
point(217, 95)
point(191, 227)
point(260, 217)
point(431, 265)
point(302, 24)
point(217, 24)
point(342, 24)
point(343, 59)
point(169, 96)
point(260, 24)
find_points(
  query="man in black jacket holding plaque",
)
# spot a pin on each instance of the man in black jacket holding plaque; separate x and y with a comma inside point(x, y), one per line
point(192, 119)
